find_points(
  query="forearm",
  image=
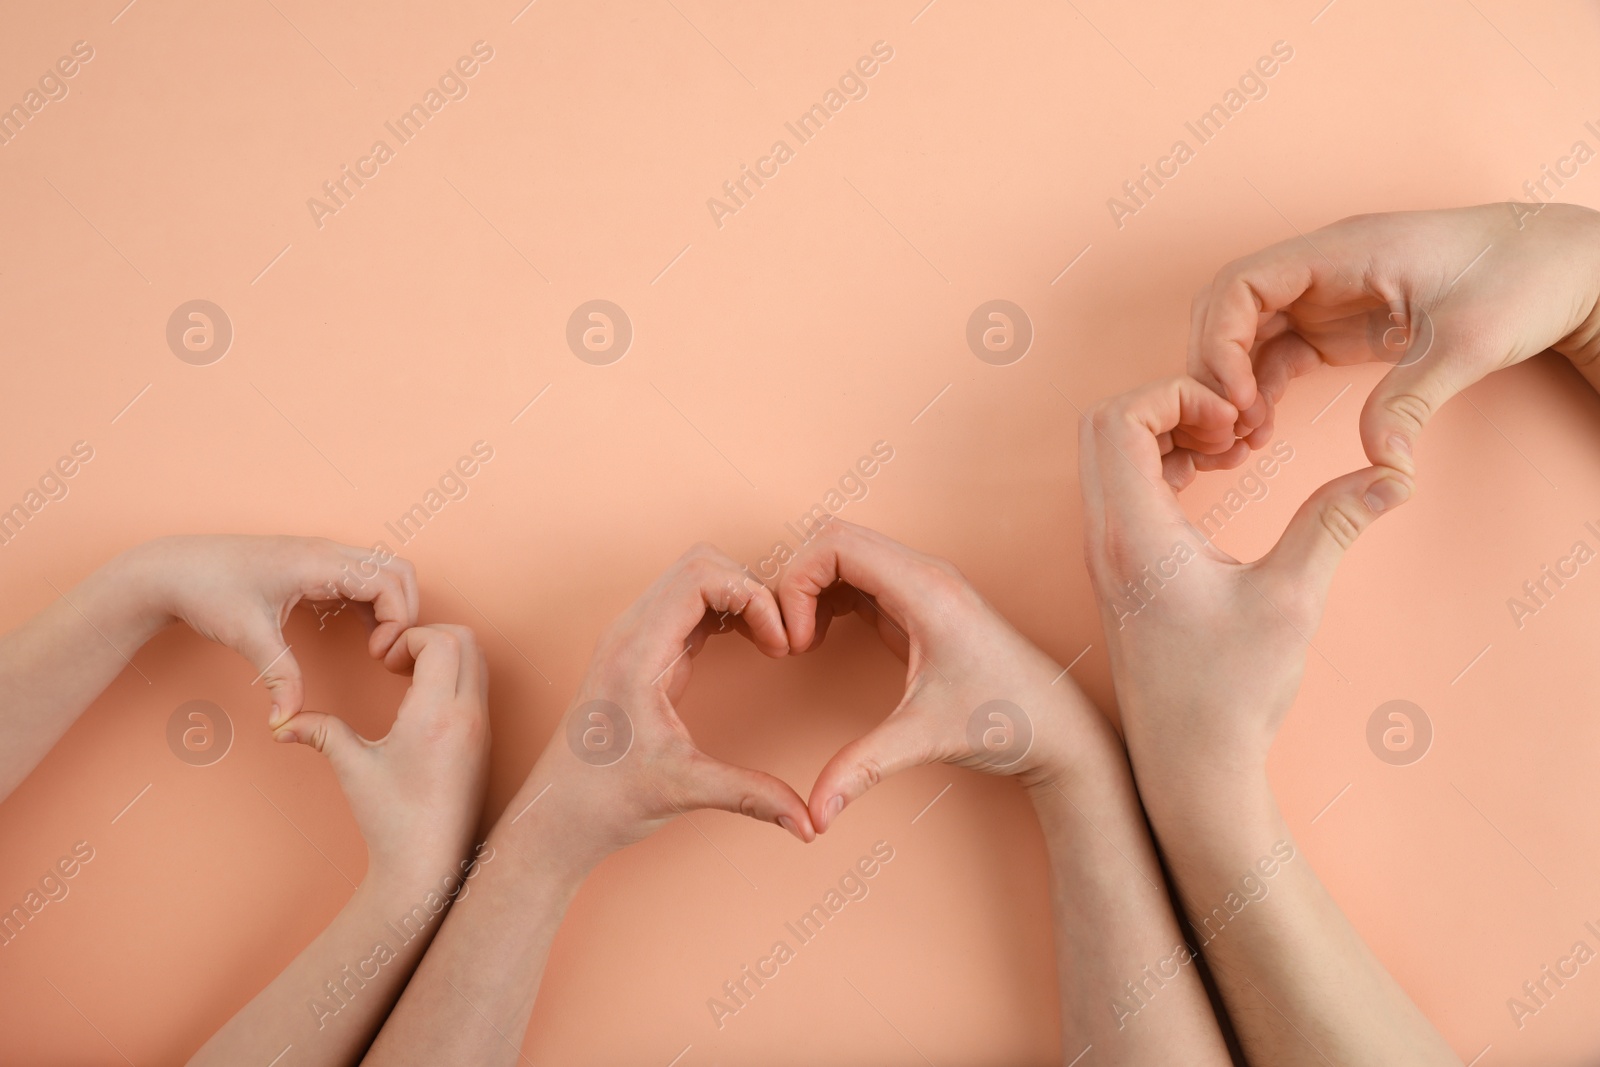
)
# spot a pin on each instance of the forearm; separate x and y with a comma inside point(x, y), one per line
point(1129, 984)
point(58, 662)
point(328, 1003)
point(472, 996)
point(1300, 985)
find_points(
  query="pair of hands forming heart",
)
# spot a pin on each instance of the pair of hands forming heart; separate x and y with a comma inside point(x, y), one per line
point(1208, 652)
point(959, 653)
point(1445, 297)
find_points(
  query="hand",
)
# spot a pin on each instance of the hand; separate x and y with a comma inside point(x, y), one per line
point(1207, 652)
point(960, 656)
point(239, 590)
point(623, 763)
point(418, 792)
point(1446, 296)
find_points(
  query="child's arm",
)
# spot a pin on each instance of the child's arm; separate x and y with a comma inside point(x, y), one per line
point(416, 795)
point(235, 590)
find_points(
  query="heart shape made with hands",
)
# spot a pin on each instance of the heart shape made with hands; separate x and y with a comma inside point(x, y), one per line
point(969, 677)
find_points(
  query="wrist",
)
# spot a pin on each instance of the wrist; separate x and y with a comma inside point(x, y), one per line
point(1581, 347)
point(1073, 742)
point(550, 827)
point(1208, 805)
point(417, 874)
point(124, 598)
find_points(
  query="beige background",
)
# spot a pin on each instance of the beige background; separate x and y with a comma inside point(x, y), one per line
point(768, 355)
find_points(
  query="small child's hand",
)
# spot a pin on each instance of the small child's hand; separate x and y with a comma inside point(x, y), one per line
point(239, 590)
point(417, 793)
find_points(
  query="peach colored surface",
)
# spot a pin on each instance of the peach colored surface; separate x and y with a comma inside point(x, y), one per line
point(772, 345)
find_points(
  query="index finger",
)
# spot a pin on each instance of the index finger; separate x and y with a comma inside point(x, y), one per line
point(874, 564)
point(706, 580)
point(434, 655)
point(1122, 460)
point(389, 585)
point(1223, 340)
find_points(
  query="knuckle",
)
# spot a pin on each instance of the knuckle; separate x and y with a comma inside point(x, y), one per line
point(1412, 410)
point(1104, 415)
point(830, 529)
point(1341, 522)
point(871, 771)
point(465, 637)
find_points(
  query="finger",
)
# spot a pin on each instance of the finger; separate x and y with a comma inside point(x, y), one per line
point(469, 657)
point(263, 645)
point(1129, 471)
point(894, 745)
point(710, 783)
point(390, 587)
point(432, 655)
point(1393, 418)
point(395, 606)
point(1179, 466)
point(705, 580)
point(1329, 522)
point(328, 734)
point(1242, 294)
point(864, 559)
point(1213, 440)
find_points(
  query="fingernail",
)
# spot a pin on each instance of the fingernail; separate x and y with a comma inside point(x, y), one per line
point(788, 824)
point(272, 717)
point(286, 737)
point(835, 806)
point(1400, 443)
point(1386, 494)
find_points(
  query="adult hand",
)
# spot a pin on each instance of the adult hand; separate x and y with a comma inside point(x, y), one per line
point(1207, 651)
point(978, 694)
point(1446, 297)
point(239, 590)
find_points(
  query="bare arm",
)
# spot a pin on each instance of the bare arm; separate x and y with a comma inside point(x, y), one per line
point(234, 590)
point(621, 766)
point(416, 794)
point(980, 695)
point(54, 665)
point(1208, 654)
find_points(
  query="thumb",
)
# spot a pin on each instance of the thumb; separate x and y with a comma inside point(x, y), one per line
point(1328, 523)
point(896, 744)
point(328, 734)
point(1399, 408)
point(710, 783)
point(262, 644)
